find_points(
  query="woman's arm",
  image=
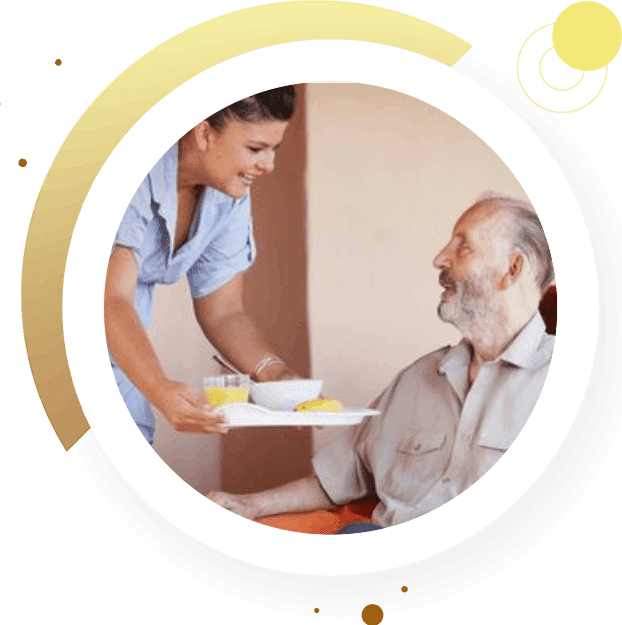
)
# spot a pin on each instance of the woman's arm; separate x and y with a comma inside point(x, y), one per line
point(132, 351)
point(302, 495)
point(233, 333)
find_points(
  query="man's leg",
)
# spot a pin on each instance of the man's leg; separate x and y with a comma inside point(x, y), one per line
point(357, 528)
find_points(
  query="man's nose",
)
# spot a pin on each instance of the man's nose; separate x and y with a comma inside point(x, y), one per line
point(441, 261)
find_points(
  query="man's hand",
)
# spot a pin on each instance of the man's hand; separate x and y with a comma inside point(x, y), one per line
point(244, 505)
point(301, 495)
point(185, 410)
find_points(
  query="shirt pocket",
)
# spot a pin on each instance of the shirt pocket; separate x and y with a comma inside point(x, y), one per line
point(419, 446)
point(419, 463)
point(489, 449)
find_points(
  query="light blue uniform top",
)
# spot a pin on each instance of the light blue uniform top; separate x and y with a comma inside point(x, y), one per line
point(220, 245)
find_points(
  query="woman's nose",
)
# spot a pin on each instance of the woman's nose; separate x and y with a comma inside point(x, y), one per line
point(267, 162)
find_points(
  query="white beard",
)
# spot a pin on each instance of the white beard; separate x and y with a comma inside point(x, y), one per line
point(474, 307)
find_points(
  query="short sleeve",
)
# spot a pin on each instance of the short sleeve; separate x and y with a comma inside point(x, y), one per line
point(342, 466)
point(229, 253)
point(134, 223)
point(340, 469)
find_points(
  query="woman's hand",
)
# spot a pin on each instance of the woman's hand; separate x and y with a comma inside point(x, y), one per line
point(243, 505)
point(133, 352)
point(185, 410)
point(280, 372)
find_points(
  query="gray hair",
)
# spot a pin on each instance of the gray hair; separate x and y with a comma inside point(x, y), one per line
point(527, 235)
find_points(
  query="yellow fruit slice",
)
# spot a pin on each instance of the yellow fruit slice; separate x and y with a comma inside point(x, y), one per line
point(219, 396)
point(320, 405)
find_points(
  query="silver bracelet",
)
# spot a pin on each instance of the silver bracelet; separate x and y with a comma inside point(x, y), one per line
point(265, 362)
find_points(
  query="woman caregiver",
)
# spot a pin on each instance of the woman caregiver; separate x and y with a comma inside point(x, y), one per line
point(191, 217)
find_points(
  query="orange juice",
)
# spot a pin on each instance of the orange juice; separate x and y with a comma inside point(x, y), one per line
point(227, 395)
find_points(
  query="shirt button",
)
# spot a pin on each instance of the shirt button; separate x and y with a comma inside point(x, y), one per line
point(465, 437)
point(446, 480)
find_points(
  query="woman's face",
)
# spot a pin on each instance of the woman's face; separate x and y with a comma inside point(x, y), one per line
point(237, 155)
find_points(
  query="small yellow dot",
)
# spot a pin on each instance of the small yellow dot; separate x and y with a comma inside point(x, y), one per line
point(57, 62)
point(316, 610)
point(22, 162)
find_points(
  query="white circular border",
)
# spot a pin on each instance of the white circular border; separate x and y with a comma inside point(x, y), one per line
point(439, 86)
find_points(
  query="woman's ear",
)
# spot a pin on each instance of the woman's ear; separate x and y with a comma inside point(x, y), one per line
point(202, 134)
point(515, 269)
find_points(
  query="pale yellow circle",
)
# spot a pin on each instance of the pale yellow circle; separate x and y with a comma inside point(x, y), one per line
point(587, 36)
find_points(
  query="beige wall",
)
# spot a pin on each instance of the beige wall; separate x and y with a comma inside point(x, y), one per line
point(387, 177)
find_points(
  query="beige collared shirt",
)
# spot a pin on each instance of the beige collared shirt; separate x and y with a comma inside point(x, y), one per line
point(433, 439)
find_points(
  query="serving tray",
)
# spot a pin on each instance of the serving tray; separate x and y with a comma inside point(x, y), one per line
point(251, 415)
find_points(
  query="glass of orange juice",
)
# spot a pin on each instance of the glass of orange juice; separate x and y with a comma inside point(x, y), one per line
point(226, 389)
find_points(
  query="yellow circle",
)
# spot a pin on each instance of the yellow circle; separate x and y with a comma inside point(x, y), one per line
point(587, 36)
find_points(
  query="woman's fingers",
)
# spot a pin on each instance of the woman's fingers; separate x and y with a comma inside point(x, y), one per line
point(188, 411)
point(199, 418)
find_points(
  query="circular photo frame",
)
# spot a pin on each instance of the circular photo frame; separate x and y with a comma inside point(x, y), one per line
point(540, 476)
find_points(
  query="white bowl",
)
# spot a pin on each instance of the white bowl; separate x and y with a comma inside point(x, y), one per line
point(285, 394)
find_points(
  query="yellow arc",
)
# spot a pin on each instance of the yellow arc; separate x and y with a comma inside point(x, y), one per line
point(121, 105)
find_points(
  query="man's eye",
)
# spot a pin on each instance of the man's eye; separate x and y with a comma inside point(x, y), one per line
point(255, 150)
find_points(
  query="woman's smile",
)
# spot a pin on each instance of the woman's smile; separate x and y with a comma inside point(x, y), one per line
point(241, 152)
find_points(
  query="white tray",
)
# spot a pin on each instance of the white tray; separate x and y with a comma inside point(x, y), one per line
point(251, 415)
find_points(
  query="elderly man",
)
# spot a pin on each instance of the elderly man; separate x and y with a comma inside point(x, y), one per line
point(447, 418)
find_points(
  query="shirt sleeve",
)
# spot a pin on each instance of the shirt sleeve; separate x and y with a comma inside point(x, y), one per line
point(340, 470)
point(134, 223)
point(342, 467)
point(229, 253)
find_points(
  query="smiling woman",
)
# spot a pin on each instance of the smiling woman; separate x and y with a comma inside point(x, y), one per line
point(231, 158)
point(191, 217)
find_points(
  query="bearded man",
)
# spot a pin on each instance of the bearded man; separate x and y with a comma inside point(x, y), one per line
point(447, 418)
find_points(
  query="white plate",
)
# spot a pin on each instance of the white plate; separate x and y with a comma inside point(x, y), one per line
point(251, 415)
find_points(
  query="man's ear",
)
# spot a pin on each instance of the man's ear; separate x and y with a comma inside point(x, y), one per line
point(515, 269)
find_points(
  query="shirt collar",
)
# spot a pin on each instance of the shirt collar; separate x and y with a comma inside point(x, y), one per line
point(522, 351)
point(164, 184)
